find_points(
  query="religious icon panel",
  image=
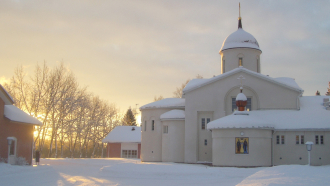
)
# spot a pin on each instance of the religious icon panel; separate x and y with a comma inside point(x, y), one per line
point(241, 145)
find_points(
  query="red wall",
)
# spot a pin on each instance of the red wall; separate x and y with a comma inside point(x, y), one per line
point(22, 132)
point(114, 150)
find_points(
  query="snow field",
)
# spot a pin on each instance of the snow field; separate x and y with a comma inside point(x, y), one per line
point(133, 172)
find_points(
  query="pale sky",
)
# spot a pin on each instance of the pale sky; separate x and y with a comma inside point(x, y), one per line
point(127, 52)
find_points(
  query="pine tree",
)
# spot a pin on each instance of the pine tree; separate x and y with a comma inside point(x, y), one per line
point(328, 93)
point(129, 118)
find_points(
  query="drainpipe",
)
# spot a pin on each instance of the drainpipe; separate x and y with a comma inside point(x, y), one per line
point(274, 131)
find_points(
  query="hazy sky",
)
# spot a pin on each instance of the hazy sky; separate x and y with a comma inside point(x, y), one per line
point(127, 52)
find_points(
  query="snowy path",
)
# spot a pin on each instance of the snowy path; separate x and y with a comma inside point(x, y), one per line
point(133, 172)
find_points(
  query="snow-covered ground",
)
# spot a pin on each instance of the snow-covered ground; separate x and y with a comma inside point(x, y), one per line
point(133, 172)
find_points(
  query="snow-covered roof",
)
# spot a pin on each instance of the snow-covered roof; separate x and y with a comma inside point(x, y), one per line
point(5, 96)
point(124, 134)
point(311, 116)
point(240, 39)
point(173, 115)
point(286, 82)
point(165, 103)
point(17, 115)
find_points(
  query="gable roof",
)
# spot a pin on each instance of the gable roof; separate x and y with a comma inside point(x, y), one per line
point(165, 103)
point(5, 96)
point(285, 82)
point(124, 134)
point(311, 116)
point(17, 115)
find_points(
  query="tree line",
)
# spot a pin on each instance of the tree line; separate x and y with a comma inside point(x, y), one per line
point(74, 120)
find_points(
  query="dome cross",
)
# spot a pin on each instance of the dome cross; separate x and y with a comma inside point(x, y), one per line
point(239, 17)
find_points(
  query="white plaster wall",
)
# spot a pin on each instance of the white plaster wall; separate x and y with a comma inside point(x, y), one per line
point(151, 141)
point(224, 147)
point(290, 152)
point(173, 141)
point(204, 151)
point(231, 57)
point(213, 97)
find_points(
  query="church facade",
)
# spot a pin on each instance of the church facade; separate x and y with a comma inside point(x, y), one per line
point(205, 125)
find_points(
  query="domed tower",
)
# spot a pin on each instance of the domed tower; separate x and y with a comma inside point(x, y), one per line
point(240, 49)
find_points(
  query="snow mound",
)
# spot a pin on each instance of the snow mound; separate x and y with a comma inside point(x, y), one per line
point(173, 115)
point(241, 97)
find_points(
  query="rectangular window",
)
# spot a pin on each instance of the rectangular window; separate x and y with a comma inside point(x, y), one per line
point(203, 123)
point(316, 139)
point(248, 105)
point(145, 125)
point(240, 61)
point(321, 139)
point(302, 140)
point(208, 120)
point(12, 148)
point(277, 139)
point(129, 154)
point(205, 142)
point(297, 139)
point(134, 153)
point(282, 139)
point(153, 125)
point(124, 154)
point(165, 129)
point(258, 66)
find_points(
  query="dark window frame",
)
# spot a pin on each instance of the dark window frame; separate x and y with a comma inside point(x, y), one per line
point(153, 125)
point(203, 124)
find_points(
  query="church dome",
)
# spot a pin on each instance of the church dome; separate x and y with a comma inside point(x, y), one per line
point(240, 39)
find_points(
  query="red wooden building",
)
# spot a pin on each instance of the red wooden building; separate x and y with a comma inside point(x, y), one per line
point(124, 142)
point(16, 130)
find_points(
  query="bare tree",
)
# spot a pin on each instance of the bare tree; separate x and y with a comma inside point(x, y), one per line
point(74, 121)
point(178, 92)
point(158, 98)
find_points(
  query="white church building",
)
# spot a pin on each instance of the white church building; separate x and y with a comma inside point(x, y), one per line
point(205, 125)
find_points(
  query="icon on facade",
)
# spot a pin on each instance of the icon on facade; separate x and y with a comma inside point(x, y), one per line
point(241, 145)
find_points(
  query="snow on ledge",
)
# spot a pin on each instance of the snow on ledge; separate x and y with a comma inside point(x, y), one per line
point(173, 115)
point(15, 114)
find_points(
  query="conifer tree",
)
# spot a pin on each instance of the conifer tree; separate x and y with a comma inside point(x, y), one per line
point(129, 118)
point(328, 92)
